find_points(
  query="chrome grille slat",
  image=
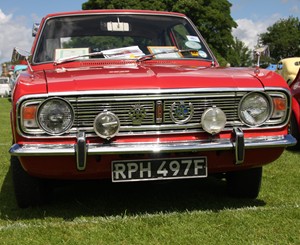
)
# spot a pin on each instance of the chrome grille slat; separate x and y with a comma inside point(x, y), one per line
point(87, 108)
point(88, 104)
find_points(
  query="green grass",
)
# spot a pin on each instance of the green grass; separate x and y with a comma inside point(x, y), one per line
point(181, 212)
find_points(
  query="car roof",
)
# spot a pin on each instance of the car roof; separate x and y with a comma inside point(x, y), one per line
point(113, 11)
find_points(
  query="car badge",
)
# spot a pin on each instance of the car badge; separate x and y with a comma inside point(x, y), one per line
point(181, 112)
point(137, 113)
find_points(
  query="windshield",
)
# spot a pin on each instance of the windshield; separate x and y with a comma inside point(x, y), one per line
point(118, 36)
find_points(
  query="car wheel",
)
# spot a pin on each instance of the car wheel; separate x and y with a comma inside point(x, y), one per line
point(245, 183)
point(294, 132)
point(29, 191)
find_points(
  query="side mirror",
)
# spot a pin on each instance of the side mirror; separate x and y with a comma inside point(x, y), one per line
point(35, 29)
point(19, 56)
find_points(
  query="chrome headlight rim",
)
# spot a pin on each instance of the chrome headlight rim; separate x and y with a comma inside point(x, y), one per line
point(221, 120)
point(69, 125)
point(270, 112)
point(109, 114)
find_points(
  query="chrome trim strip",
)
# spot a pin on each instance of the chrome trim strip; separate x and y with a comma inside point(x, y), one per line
point(142, 148)
point(147, 92)
point(151, 92)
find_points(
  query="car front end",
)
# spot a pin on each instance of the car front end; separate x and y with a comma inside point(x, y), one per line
point(128, 115)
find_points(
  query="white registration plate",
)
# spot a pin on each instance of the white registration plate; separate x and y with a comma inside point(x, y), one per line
point(154, 169)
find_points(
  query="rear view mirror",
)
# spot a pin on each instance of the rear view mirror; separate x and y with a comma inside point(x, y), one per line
point(117, 26)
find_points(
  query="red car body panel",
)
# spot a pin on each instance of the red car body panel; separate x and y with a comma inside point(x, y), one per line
point(154, 76)
point(100, 167)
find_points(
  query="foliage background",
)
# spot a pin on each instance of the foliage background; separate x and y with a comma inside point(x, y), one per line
point(214, 21)
point(283, 38)
point(212, 18)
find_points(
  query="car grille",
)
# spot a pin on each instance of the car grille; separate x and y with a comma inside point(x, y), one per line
point(86, 108)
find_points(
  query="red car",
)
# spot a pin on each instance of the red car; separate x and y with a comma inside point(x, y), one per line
point(133, 95)
point(295, 118)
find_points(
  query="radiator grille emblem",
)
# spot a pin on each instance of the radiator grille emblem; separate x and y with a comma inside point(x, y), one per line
point(181, 112)
point(137, 113)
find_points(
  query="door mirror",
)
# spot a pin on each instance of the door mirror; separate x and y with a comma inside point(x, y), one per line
point(19, 56)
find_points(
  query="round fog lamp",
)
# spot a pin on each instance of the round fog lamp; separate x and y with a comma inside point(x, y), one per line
point(106, 125)
point(213, 120)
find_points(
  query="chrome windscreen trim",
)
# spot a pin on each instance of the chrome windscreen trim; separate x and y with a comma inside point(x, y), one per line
point(121, 12)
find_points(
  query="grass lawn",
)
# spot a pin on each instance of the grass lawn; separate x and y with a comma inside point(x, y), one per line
point(181, 212)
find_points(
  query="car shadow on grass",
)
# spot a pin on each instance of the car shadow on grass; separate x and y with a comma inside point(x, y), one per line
point(102, 198)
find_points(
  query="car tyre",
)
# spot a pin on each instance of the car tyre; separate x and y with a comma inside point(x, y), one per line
point(29, 190)
point(294, 132)
point(245, 183)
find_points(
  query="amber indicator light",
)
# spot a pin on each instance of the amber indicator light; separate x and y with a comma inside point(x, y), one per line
point(280, 104)
point(29, 112)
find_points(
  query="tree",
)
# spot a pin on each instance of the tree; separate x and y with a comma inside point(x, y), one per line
point(283, 38)
point(239, 54)
point(212, 17)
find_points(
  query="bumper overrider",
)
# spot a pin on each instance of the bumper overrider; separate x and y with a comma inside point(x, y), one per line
point(81, 149)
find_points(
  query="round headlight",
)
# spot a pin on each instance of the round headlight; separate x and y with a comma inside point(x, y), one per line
point(55, 116)
point(106, 125)
point(213, 120)
point(255, 108)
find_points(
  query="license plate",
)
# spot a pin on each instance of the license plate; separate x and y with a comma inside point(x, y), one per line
point(155, 169)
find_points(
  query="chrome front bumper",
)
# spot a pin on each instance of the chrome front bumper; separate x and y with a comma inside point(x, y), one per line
point(237, 143)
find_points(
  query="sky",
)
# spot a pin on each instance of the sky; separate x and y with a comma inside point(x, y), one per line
point(17, 17)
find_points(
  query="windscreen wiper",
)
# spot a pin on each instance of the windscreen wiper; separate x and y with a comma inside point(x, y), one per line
point(76, 57)
point(151, 56)
point(140, 59)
